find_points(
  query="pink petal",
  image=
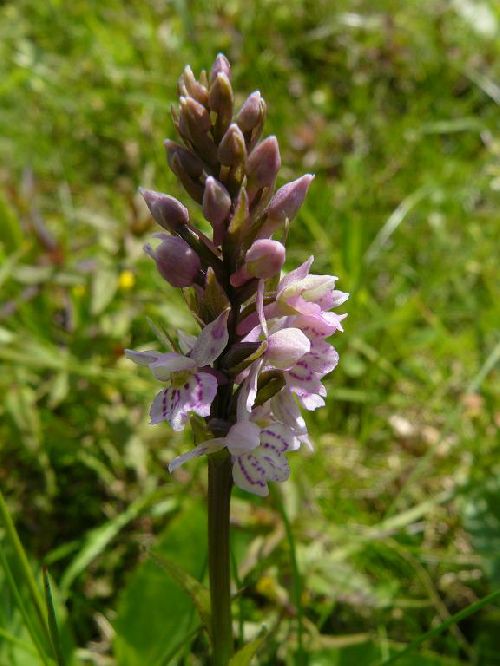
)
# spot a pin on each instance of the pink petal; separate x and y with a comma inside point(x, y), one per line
point(212, 341)
point(286, 347)
point(298, 274)
point(322, 358)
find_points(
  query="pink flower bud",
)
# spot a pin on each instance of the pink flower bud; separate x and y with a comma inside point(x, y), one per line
point(232, 149)
point(264, 162)
point(176, 261)
point(166, 210)
point(263, 260)
point(216, 206)
point(221, 64)
point(251, 113)
point(288, 199)
point(286, 347)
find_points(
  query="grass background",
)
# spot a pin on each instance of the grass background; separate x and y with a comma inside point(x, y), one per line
point(395, 518)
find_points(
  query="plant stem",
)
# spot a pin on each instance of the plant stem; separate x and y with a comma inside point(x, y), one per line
point(219, 497)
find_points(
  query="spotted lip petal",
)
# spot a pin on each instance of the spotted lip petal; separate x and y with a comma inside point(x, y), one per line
point(252, 471)
point(175, 404)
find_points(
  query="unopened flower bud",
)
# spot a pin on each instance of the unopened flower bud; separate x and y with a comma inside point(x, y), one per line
point(166, 210)
point(190, 163)
point(194, 125)
point(221, 64)
point(232, 149)
point(263, 164)
point(286, 347)
point(221, 102)
point(251, 113)
point(216, 206)
point(176, 261)
point(288, 199)
point(193, 117)
point(263, 259)
point(189, 86)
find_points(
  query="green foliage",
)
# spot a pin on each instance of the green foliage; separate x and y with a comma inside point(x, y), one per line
point(155, 614)
point(393, 522)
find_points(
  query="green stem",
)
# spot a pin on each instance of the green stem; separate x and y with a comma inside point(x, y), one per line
point(219, 497)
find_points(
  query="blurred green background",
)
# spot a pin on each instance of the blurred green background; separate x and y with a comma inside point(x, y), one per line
point(396, 516)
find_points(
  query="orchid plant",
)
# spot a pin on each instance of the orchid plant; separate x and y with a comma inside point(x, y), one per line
point(262, 351)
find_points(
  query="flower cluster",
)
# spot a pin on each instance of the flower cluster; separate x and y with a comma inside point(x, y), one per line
point(262, 351)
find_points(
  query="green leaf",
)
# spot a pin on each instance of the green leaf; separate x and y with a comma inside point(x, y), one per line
point(154, 613)
point(199, 594)
point(244, 656)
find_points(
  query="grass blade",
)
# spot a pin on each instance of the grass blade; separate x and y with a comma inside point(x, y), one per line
point(52, 621)
point(24, 566)
point(457, 617)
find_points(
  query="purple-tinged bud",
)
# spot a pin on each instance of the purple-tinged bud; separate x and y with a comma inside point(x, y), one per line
point(288, 199)
point(286, 347)
point(251, 113)
point(194, 126)
point(263, 260)
point(232, 150)
point(221, 103)
point(216, 206)
point(193, 117)
point(166, 210)
point(190, 163)
point(263, 164)
point(176, 261)
point(221, 64)
point(189, 86)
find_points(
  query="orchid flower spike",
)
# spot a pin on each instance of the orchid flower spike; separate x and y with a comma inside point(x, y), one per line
point(262, 352)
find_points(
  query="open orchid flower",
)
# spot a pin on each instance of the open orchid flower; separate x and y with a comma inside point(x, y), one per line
point(257, 445)
point(262, 353)
point(192, 387)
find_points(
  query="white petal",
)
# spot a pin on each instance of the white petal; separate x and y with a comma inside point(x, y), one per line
point(249, 474)
point(170, 362)
point(259, 307)
point(186, 341)
point(243, 437)
point(142, 358)
point(248, 392)
point(278, 438)
point(210, 446)
point(212, 341)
